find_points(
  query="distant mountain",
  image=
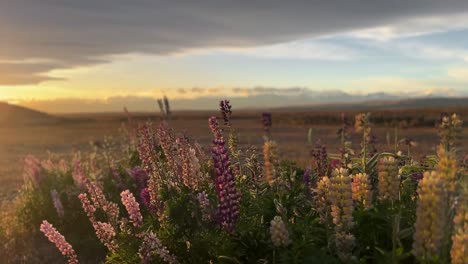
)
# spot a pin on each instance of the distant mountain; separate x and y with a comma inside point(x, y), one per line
point(256, 98)
point(18, 115)
point(386, 104)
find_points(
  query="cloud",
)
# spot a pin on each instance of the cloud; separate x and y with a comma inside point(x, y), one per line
point(458, 73)
point(75, 33)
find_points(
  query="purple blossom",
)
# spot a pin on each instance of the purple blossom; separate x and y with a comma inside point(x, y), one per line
point(226, 112)
point(320, 156)
point(267, 122)
point(228, 196)
point(145, 197)
point(57, 203)
point(140, 176)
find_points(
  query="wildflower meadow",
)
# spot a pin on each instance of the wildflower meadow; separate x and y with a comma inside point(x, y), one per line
point(158, 196)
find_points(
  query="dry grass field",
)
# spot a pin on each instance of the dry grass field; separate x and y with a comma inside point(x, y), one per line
point(290, 129)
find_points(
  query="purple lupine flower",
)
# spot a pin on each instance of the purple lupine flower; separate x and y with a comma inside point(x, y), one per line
point(57, 203)
point(417, 176)
point(145, 197)
point(229, 197)
point(267, 122)
point(336, 164)
point(226, 112)
point(321, 159)
point(140, 176)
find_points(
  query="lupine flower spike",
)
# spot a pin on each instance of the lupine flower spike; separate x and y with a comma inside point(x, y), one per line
point(62, 245)
point(389, 180)
point(279, 233)
point(133, 209)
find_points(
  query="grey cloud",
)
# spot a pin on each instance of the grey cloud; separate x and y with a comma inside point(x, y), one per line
point(83, 32)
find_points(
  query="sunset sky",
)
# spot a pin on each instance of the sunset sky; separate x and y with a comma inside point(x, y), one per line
point(67, 52)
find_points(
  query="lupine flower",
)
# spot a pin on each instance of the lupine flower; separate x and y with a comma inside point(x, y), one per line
point(147, 149)
point(32, 170)
point(341, 199)
point(106, 234)
point(229, 197)
point(270, 156)
point(266, 122)
point(278, 232)
point(191, 169)
point(151, 246)
point(57, 203)
point(99, 200)
point(78, 175)
point(145, 197)
point(322, 201)
point(345, 243)
point(140, 176)
point(389, 180)
point(226, 112)
point(459, 251)
point(133, 208)
point(63, 166)
point(321, 159)
point(168, 144)
point(447, 171)
point(362, 191)
point(104, 231)
point(204, 204)
point(431, 218)
point(59, 240)
point(450, 127)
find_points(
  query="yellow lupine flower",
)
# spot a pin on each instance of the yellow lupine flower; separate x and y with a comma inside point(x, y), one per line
point(389, 180)
point(362, 191)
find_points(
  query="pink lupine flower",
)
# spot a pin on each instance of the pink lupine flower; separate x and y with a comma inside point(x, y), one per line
point(151, 246)
point(147, 148)
point(133, 209)
point(78, 175)
point(32, 170)
point(59, 240)
point(106, 234)
point(57, 203)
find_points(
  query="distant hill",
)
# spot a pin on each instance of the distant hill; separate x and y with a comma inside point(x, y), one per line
point(384, 105)
point(18, 115)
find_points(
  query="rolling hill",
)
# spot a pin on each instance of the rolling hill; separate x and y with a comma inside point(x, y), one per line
point(18, 115)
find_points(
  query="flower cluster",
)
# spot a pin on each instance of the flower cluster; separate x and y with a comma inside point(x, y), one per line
point(57, 203)
point(341, 199)
point(389, 180)
point(150, 246)
point(62, 245)
point(133, 209)
point(322, 202)
point(147, 148)
point(168, 144)
point(459, 251)
point(321, 159)
point(204, 204)
point(79, 177)
point(104, 231)
point(267, 123)
point(226, 112)
point(431, 218)
point(447, 171)
point(140, 176)
point(270, 156)
point(278, 232)
point(229, 197)
point(362, 191)
point(450, 127)
point(32, 170)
